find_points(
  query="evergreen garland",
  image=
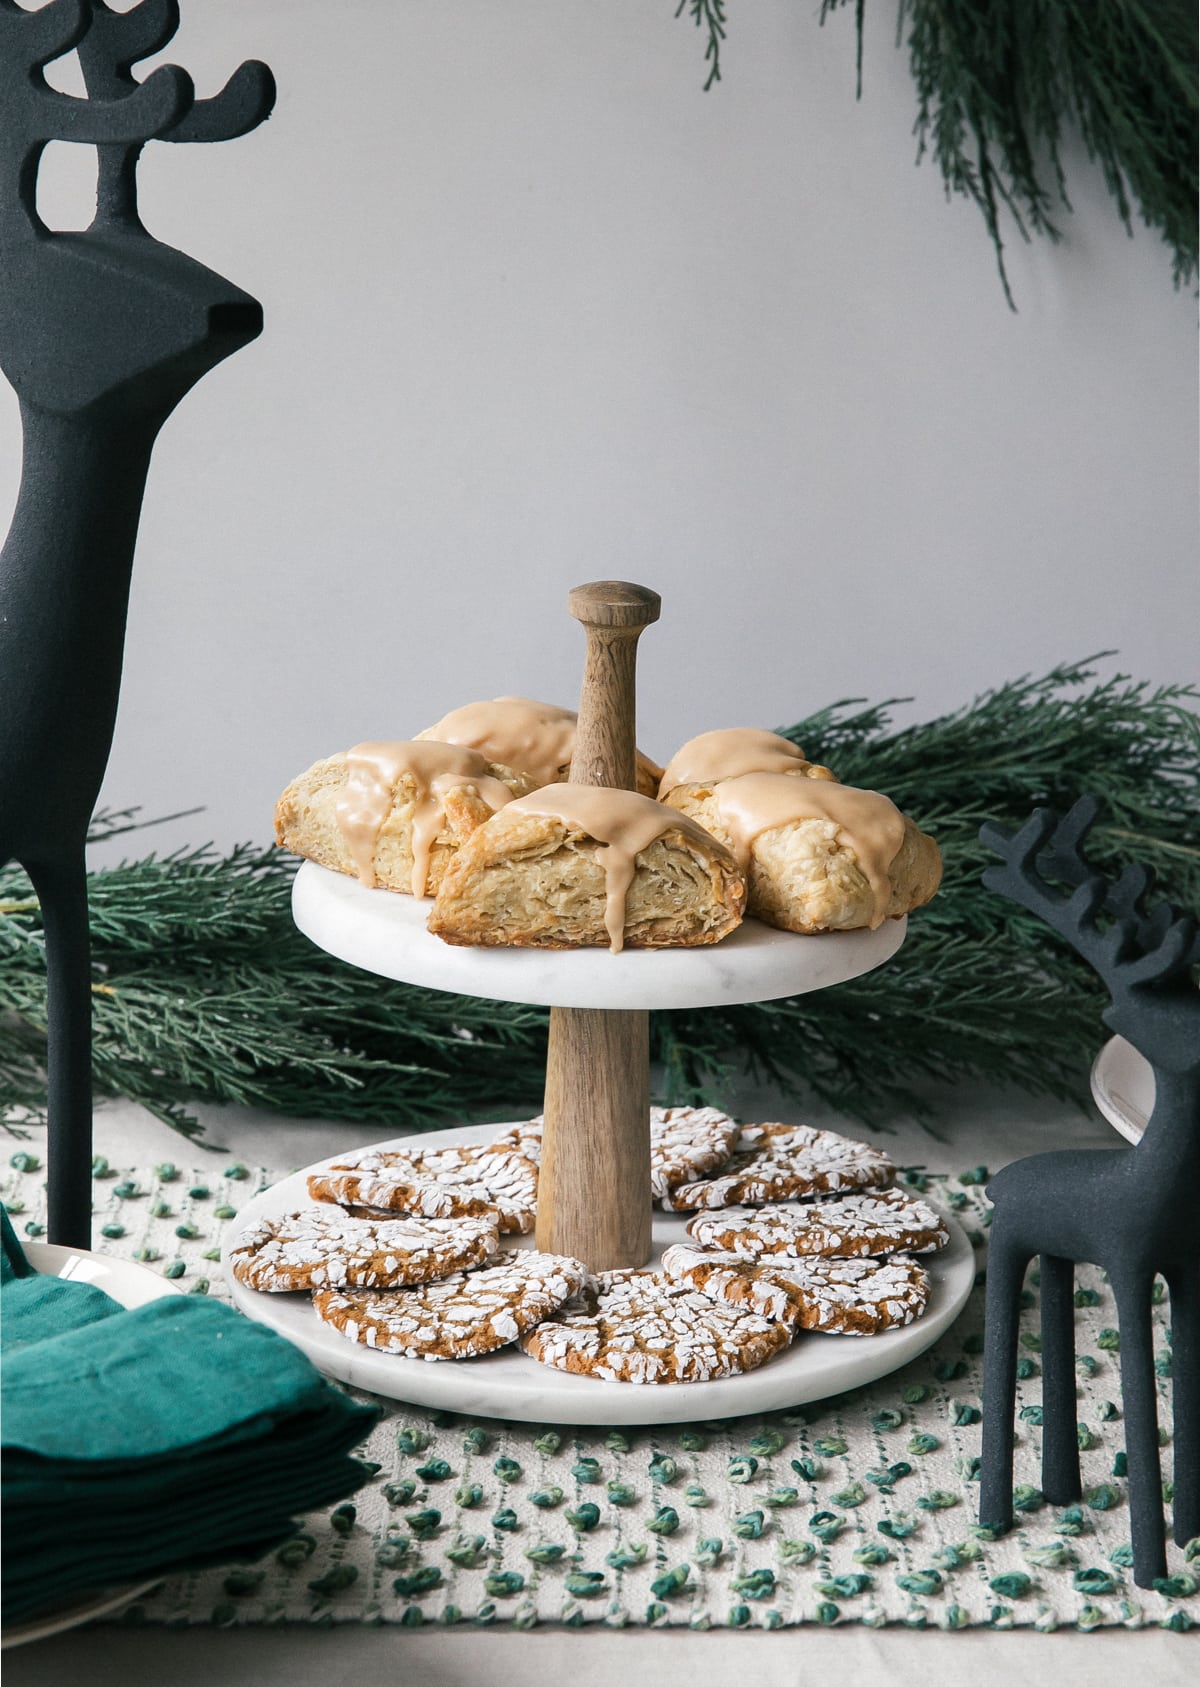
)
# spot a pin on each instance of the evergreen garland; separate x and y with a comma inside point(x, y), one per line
point(998, 81)
point(204, 990)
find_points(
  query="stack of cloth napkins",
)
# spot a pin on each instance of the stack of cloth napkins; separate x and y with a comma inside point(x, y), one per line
point(137, 1443)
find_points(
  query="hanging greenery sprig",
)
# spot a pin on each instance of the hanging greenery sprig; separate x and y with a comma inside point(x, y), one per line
point(1000, 83)
point(203, 990)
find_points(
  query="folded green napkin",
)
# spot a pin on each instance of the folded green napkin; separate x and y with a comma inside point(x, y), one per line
point(34, 1307)
point(141, 1442)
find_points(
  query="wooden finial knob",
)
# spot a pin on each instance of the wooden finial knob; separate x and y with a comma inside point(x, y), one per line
point(613, 614)
point(615, 604)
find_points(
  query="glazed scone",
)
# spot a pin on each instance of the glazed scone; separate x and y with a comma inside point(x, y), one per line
point(818, 856)
point(583, 865)
point(733, 751)
point(536, 738)
point(393, 814)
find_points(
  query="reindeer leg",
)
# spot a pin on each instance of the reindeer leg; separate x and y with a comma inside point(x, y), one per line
point(1139, 1398)
point(1060, 1439)
point(1005, 1274)
point(61, 888)
point(1185, 1389)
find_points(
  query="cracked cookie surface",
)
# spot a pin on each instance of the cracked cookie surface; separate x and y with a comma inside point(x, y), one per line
point(638, 1327)
point(785, 1162)
point(458, 1317)
point(877, 1222)
point(435, 1183)
point(326, 1247)
point(853, 1297)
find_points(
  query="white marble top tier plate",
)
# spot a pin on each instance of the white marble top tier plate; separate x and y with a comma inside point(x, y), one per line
point(508, 1384)
point(384, 933)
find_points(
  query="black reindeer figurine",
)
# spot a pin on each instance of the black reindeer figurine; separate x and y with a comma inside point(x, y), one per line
point(1133, 1211)
point(101, 334)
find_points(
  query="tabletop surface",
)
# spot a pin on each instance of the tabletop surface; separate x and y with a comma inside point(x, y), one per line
point(965, 1127)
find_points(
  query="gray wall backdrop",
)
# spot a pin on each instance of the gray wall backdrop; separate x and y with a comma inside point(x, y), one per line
point(539, 311)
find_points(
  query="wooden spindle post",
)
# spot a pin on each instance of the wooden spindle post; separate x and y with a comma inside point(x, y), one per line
point(594, 1187)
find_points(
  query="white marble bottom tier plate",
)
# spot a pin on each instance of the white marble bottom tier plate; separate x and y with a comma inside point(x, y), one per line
point(132, 1285)
point(384, 933)
point(1123, 1087)
point(508, 1384)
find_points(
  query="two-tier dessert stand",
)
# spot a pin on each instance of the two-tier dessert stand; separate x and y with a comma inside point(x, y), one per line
point(594, 1185)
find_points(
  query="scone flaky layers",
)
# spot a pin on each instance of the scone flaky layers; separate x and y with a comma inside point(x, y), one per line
point(534, 879)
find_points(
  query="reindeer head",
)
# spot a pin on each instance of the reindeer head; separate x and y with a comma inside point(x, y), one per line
point(1144, 953)
point(110, 315)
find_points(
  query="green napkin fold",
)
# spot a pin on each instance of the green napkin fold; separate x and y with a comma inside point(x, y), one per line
point(137, 1443)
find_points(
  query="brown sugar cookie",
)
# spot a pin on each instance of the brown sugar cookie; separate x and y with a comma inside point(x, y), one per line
point(851, 1297)
point(685, 1142)
point(435, 1183)
point(324, 1247)
point(878, 1222)
point(459, 1317)
point(784, 1163)
point(636, 1326)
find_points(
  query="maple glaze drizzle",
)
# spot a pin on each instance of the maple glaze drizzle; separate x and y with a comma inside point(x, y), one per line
point(534, 738)
point(869, 823)
point(372, 773)
point(623, 824)
point(732, 752)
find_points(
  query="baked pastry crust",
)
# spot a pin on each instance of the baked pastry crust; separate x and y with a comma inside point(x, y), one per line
point(805, 876)
point(534, 880)
point(306, 822)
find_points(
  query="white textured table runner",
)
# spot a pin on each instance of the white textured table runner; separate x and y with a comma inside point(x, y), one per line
point(858, 1510)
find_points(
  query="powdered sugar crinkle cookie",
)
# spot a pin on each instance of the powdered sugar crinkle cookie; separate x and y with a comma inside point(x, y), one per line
point(853, 1297)
point(459, 1317)
point(877, 1221)
point(783, 1163)
point(435, 1183)
point(636, 1326)
point(324, 1247)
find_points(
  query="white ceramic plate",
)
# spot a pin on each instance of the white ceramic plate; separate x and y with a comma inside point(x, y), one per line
point(132, 1285)
point(383, 932)
point(509, 1384)
point(1123, 1087)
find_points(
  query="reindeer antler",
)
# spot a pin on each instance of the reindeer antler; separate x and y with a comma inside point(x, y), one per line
point(1143, 946)
point(120, 114)
point(116, 42)
point(35, 113)
point(1143, 956)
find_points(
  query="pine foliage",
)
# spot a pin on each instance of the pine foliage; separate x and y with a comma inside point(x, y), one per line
point(1001, 83)
point(203, 990)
